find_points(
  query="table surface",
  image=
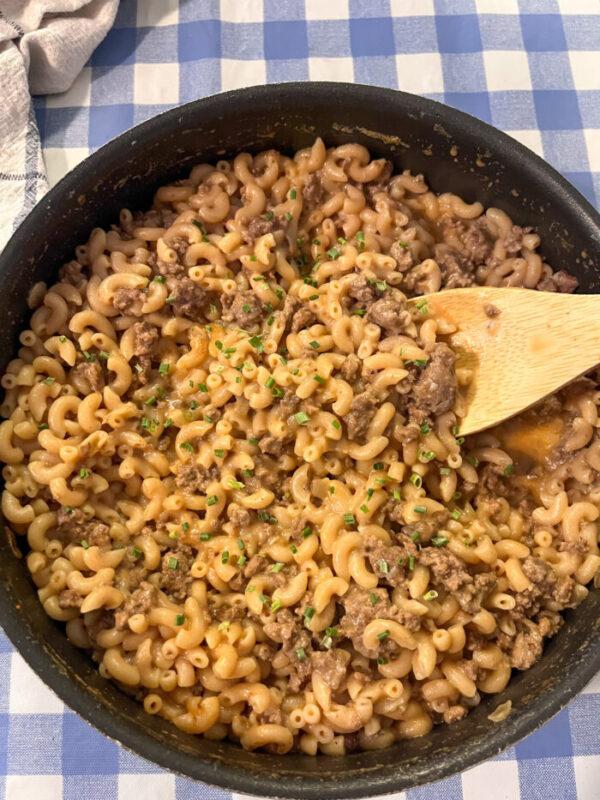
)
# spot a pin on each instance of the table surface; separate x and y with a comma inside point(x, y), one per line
point(529, 67)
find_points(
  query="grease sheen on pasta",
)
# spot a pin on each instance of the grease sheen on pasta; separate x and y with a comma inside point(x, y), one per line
point(231, 449)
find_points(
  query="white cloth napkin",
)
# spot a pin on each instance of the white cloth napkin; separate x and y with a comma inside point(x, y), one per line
point(43, 46)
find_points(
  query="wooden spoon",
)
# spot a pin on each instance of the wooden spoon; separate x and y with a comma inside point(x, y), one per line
point(521, 345)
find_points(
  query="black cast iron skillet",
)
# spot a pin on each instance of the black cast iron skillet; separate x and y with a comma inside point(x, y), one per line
point(456, 153)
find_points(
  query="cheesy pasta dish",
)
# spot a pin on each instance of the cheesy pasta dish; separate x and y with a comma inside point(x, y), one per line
point(232, 450)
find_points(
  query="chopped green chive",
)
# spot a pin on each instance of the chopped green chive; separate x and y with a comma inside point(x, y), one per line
point(383, 635)
point(179, 619)
point(439, 541)
point(509, 470)
point(420, 509)
point(173, 563)
point(301, 418)
point(373, 598)
point(349, 519)
point(300, 652)
point(212, 500)
point(430, 595)
point(416, 480)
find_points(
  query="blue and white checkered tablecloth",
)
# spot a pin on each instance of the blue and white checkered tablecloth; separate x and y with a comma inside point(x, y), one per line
point(529, 67)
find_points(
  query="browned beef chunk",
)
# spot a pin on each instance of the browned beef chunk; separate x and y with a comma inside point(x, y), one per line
point(312, 191)
point(362, 606)
point(296, 315)
point(359, 416)
point(267, 472)
point(129, 301)
point(478, 242)
point(450, 573)
point(259, 226)
point(456, 271)
point(351, 368)
point(145, 338)
point(256, 564)
point(155, 218)
point(195, 478)
point(381, 184)
point(546, 586)
point(141, 601)
point(145, 341)
point(240, 517)
point(288, 404)
point(170, 270)
point(71, 273)
point(288, 631)
point(402, 256)
point(175, 571)
point(89, 372)
point(435, 389)
point(282, 628)
point(243, 308)
point(527, 648)
point(73, 528)
point(559, 281)
point(363, 291)
point(272, 445)
point(390, 313)
point(189, 298)
point(69, 598)
point(389, 562)
point(332, 666)
point(303, 318)
point(564, 282)
point(513, 241)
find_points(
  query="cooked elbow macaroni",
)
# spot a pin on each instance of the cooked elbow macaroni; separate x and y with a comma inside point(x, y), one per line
point(232, 448)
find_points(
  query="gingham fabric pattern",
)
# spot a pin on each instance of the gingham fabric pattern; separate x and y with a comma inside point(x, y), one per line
point(529, 67)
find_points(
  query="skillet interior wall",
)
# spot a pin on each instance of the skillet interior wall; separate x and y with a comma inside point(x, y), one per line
point(126, 175)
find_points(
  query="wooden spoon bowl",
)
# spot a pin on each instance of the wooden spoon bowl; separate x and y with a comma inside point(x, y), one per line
point(521, 345)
